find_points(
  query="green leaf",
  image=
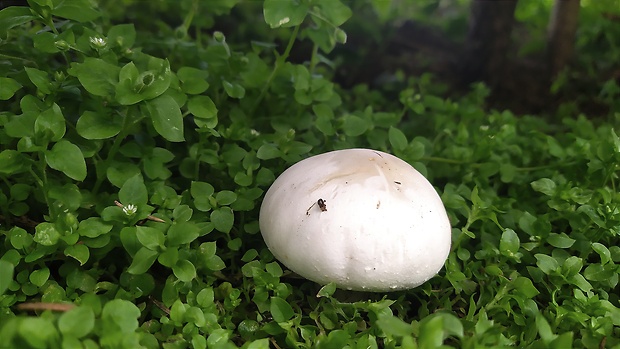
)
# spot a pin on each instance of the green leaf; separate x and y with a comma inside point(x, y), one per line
point(13, 16)
point(135, 85)
point(8, 87)
point(546, 263)
point(563, 341)
point(169, 257)
point(525, 286)
point(96, 75)
point(12, 161)
point(268, 151)
point(166, 117)
point(233, 89)
point(182, 213)
point(327, 290)
point(119, 172)
point(225, 197)
point(571, 266)
point(509, 243)
point(20, 238)
point(151, 238)
point(204, 111)
point(274, 269)
point(40, 79)
point(39, 277)
point(394, 326)
point(280, 310)
point(397, 138)
point(182, 233)
point(218, 338)
point(37, 332)
point(201, 192)
point(284, 13)
point(77, 10)
point(602, 251)
point(46, 42)
point(208, 249)
point(431, 333)
point(560, 240)
point(507, 172)
point(122, 313)
point(123, 35)
point(259, 344)
point(194, 81)
point(79, 252)
point(324, 116)
point(93, 125)
point(6, 275)
point(215, 263)
point(223, 219)
point(598, 272)
point(256, 71)
point(127, 91)
point(142, 261)
point(544, 330)
point(93, 227)
point(200, 342)
point(133, 192)
point(545, 186)
point(184, 270)
point(67, 158)
point(77, 322)
point(324, 36)
point(335, 11)
point(322, 89)
point(354, 126)
point(46, 234)
point(51, 123)
point(205, 297)
point(581, 282)
point(202, 107)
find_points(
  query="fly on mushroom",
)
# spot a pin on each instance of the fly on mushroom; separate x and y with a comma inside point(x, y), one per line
point(322, 205)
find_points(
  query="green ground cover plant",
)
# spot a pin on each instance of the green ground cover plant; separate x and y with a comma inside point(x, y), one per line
point(134, 155)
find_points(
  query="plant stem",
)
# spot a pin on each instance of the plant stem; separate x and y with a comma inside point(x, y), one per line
point(103, 169)
point(314, 58)
point(277, 65)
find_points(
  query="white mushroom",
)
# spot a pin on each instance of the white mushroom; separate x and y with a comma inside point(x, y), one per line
point(363, 219)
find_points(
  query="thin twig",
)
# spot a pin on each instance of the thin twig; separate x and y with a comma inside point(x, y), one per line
point(160, 305)
point(46, 306)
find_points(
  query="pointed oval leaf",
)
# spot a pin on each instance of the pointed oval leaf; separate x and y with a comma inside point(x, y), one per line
point(166, 117)
point(142, 261)
point(92, 125)
point(133, 191)
point(67, 158)
point(280, 309)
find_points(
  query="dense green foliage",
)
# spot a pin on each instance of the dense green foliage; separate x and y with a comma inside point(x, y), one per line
point(152, 108)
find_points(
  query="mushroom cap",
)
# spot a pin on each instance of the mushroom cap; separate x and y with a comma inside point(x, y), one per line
point(363, 219)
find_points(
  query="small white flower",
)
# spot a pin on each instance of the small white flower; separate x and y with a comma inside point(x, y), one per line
point(130, 209)
point(98, 42)
point(253, 132)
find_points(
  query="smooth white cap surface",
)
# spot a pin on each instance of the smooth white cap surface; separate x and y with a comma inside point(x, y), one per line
point(381, 226)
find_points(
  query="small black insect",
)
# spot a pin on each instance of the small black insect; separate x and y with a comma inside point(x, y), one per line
point(322, 205)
